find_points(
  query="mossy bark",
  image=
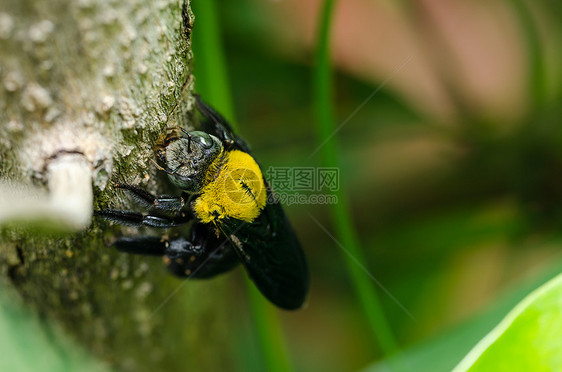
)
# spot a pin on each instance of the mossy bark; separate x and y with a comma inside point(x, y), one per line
point(102, 79)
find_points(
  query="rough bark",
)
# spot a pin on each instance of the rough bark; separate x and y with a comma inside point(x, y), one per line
point(100, 80)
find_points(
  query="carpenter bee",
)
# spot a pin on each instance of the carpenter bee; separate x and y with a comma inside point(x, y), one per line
point(234, 214)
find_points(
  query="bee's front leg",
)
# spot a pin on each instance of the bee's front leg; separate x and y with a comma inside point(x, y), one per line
point(162, 203)
point(135, 219)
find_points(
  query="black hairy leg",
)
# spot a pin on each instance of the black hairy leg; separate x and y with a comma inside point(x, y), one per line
point(159, 203)
point(199, 255)
point(135, 219)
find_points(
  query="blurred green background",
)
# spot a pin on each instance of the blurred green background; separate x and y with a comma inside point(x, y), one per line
point(450, 157)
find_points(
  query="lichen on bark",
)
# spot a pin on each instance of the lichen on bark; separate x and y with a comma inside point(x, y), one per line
point(101, 79)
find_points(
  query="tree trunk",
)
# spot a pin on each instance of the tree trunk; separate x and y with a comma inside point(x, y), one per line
point(99, 81)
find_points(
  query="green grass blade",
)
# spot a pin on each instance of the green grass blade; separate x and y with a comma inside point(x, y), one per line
point(536, 73)
point(212, 84)
point(323, 93)
point(209, 62)
point(269, 331)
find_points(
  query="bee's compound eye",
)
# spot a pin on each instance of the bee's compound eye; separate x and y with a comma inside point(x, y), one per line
point(202, 138)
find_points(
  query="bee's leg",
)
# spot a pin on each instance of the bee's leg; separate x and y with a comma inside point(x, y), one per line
point(200, 261)
point(164, 203)
point(137, 220)
point(202, 255)
point(147, 245)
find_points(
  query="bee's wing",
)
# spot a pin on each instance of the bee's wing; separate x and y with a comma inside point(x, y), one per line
point(218, 126)
point(272, 255)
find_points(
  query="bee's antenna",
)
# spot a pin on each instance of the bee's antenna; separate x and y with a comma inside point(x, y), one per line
point(166, 170)
point(161, 168)
point(175, 170)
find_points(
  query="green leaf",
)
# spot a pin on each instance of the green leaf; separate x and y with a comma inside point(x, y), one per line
point(443, 352)
point(29, 344)
point(529, 338)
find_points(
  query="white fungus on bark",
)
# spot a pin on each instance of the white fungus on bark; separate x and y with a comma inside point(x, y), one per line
point(67, 206)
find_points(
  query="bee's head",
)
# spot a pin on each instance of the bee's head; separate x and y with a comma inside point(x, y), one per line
point(188, 159)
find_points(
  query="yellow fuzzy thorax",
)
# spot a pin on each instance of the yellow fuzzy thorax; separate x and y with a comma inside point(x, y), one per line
point(237, 191)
